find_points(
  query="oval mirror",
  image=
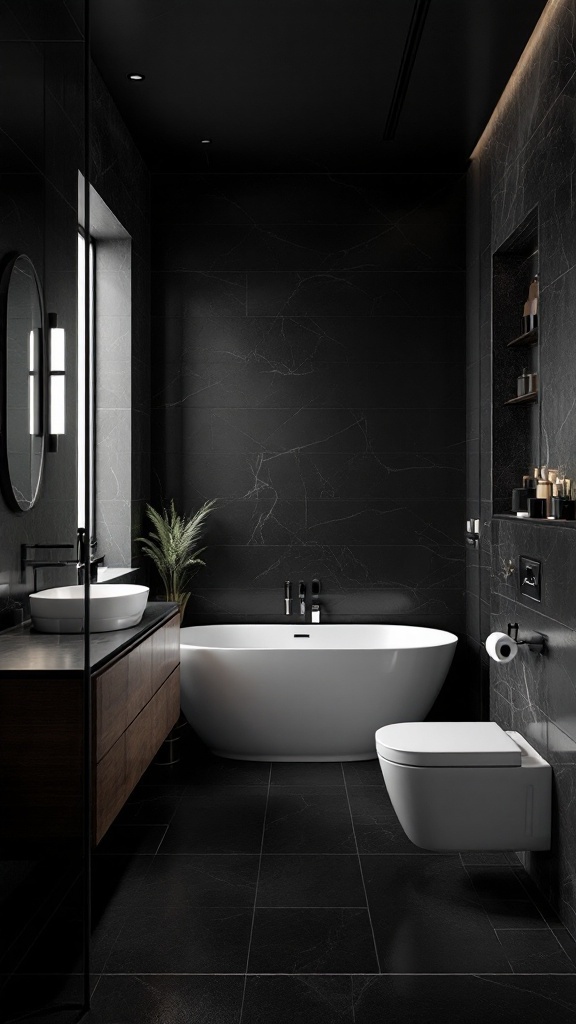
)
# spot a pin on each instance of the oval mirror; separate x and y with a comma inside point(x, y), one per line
point(22, 383)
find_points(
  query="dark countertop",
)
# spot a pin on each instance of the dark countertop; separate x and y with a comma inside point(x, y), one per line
point(23, 650)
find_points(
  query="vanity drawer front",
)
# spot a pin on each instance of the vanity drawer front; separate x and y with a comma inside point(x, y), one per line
point(111, 701)
point(121, 768)
point(121, 691)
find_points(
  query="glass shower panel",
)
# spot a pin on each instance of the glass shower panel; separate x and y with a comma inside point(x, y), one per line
point(44, 687)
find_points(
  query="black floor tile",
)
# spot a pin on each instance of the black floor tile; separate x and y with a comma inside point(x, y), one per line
point(225, 771)
point(306, 820)
point(167, 999)
point(151, 805)
point(532, 892)
point(376, 826)
point(218, 819)
point(311, 880)
point(493, 858)
point(427, 917)
point(534, 951)
point(117, 887)
point(180, 939)
point(496, 883)
point(201, 881)
point(513, 914)
point(328, 773)
point(363, 773)
point(566, 941)
point(133, 840)
point(455, 999)
point(325, 941)
point(299, 999)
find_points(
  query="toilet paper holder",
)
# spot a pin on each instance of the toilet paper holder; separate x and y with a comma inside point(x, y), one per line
point(534, 645)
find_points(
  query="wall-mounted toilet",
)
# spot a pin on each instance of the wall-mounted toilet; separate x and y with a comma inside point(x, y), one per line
point(466, 786)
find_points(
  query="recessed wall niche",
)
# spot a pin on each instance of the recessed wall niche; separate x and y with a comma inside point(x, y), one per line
point(516, 419)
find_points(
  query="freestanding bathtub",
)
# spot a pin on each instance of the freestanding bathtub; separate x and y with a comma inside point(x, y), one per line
point(307, 693)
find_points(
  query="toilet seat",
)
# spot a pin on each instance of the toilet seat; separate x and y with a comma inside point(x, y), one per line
point(426, 744)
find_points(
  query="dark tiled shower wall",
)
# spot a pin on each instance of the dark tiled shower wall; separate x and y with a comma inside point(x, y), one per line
point(309, 374)
point(527, 160)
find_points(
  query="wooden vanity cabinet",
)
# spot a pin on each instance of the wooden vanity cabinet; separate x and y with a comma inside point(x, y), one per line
point(135, 704)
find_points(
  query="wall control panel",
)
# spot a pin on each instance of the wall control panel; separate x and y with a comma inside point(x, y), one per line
point(531, 578)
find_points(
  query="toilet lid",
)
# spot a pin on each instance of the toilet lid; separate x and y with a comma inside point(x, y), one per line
point(447, 743)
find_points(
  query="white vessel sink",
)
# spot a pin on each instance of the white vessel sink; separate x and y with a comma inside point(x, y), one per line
point(112, 606)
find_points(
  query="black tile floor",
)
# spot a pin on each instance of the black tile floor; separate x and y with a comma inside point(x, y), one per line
point(230, 892)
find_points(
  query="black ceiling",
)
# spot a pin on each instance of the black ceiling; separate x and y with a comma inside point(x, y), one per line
point(306, 85)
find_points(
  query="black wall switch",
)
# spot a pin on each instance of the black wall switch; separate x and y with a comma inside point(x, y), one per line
point(530, 578)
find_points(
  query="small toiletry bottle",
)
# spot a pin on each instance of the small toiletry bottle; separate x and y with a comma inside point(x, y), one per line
point(530, 317)
point(553, 478)
point(522, 383)
point(544, 489)
point(532, 385)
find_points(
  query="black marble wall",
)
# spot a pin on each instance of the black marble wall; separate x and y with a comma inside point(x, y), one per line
point(526, 161)
point(309, 374)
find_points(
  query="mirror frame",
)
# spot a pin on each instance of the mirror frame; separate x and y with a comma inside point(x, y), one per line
point(6, 268)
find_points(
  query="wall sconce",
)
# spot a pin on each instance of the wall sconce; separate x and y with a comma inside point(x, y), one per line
point(57, 382)
point(34, 388)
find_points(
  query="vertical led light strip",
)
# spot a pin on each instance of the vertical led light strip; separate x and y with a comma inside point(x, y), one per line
point(80, 388)
point(32, 382)
point(57, 379)
point(84, 421)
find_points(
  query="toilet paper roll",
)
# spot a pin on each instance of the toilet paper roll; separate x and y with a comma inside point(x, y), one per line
point(501, 647)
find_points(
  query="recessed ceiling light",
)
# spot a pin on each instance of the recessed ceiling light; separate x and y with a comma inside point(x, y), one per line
point(136, 78)
point(206, 142)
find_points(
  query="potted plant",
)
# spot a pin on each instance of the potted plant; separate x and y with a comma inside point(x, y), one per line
point(172, 546)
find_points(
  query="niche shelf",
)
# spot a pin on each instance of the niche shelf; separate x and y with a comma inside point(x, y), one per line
point(532, 396)
point(516, 433)
point(530, 338)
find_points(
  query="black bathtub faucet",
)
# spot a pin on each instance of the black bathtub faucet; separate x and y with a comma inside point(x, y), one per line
point(315, 610)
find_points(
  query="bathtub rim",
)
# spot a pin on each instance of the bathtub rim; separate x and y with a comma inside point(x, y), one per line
point(451, 639)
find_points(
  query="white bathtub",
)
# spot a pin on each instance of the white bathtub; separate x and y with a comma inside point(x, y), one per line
point(307, 693)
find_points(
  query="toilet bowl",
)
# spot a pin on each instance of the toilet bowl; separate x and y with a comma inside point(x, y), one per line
point(466, 786)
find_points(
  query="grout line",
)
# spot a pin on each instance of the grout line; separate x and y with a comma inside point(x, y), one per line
point(255, 896)
point(361, 871)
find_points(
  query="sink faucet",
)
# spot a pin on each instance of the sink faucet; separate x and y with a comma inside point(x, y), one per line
point(315, 601)
point(86, 557)
point(42, 562)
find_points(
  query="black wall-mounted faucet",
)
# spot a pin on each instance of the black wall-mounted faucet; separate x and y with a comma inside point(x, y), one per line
point(315, 610)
